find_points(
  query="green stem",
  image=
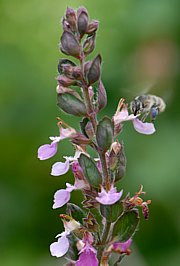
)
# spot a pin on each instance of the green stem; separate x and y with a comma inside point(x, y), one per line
point(103, 240)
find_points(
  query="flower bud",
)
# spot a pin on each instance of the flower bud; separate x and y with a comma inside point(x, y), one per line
point(94, 72)
point(92, 27)
point(114, 154)
point(89, 44)
point(102, 96)
point(105, 133)
point(64, 62)
point(82, 20)
point(73, 72)
point(65, 81)
point(80, 139)
point(71, 104)
point(71, 18)
point(69, 44)
point(89, 130)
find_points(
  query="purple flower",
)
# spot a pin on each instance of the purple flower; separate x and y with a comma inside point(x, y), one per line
point(62, 196)
point(60, 168)
point(47, 151)
point(87, 253)
point(110, 197)
point(87, 257)
point(60, 248)
point(143, 128)
point(121, 247)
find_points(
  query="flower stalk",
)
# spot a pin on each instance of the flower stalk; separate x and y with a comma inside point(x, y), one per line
point(106, 221)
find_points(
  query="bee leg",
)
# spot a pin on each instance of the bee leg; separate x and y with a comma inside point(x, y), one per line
point(144, 116)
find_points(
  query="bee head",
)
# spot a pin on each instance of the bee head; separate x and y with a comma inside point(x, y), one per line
point(153, 113)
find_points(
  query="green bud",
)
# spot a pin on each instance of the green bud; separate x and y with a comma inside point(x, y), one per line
point(71, 104)
point(102, 96)
point(105, 133)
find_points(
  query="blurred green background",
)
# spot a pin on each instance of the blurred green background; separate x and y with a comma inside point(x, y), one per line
point(139, 42)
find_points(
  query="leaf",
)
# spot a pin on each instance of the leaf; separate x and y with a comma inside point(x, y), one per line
point(111, 212)
point(71, 104)
point(105, 133)
point(77, 213)
point(90, 170)
point(126, 226)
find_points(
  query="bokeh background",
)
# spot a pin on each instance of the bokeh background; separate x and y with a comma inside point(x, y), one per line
point(139, 42)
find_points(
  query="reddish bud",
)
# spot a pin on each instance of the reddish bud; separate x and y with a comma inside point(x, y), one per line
point(89, 130)
point(69, 44)
point(71, 18)
point(102, 96)
point(82, 20)
point(92, 27)
point(65, 81)
point(94, 72)
point(80, 139)
point(64, 62)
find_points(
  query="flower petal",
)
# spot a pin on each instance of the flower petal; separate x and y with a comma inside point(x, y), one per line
point(123, 116)
point(61, 197)
point(60, 168)
point(60, 248)
point(47, 151)
point(88, 257)
point(122, 246)
point(110, 197)
point(66, 132)
point(143, 128)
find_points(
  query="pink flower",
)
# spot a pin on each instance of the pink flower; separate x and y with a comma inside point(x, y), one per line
point(110, 197)
point(60, 248)
point(87, 253)
point(141, 127)
point(62, 196)
point(121, 247)
point(47, 151)
point(60, 168)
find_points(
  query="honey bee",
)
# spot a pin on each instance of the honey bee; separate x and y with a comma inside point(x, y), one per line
point(147, 104)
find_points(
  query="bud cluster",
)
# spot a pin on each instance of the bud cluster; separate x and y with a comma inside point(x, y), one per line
point(106, 221)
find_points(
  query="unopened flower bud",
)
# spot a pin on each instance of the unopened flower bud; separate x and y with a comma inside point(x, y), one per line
point(71, 18)
point(82, 20)
point(89, 130)
point(102, 96)
point(69, 44)
point(64, 62)
point(80, 139)
point(71, 104)
point(92, 27)
point(89, 44)
point(73, 72)
point(114, 154)
point(65, 24)
point(94, 72)
point(65, 81)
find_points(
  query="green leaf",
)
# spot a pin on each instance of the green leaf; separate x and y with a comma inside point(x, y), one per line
point(71, 104)
point(126, 225)
point(90, 170)
point(111, 212)
point(77, 213)
point(105, 133)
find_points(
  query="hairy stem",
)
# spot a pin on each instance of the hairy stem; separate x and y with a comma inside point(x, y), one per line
point(103, 240)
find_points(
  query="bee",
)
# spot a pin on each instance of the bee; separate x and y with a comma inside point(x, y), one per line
point(147, 104)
